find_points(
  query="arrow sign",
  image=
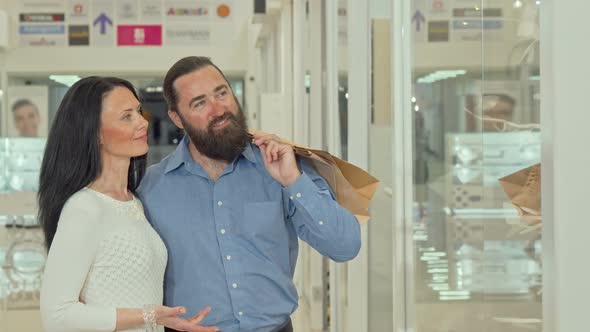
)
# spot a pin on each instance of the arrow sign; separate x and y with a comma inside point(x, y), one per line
point(103, 19)
point(419, 19)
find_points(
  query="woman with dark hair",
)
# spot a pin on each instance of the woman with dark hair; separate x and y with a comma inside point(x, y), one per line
point(105, 267)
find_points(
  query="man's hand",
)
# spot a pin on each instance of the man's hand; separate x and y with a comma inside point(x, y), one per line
point(168, 317)
point(279, 159)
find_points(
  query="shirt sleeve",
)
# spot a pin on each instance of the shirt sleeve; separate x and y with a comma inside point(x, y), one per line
point(318, 218)
point(68, 263)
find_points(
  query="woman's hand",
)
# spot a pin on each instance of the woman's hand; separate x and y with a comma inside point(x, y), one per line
point(167, 316)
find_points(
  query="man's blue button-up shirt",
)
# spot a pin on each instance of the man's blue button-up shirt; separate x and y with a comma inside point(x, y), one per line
point(232, 243)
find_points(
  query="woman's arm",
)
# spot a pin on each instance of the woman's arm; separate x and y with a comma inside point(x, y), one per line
point(69, 261)
point(129, 318)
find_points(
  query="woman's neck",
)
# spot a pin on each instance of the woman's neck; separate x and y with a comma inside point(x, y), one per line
point(112, 180)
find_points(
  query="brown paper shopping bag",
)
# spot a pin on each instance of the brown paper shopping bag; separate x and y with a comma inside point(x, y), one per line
point(354, 188)
point(524, 189)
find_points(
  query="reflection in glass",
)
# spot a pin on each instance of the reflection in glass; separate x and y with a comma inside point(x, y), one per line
point(475, 120)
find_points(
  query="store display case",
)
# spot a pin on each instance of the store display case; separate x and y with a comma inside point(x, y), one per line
point(22, 259)
point(476, 162)
point(22, 250)
point(486, 258)
point(20, 161)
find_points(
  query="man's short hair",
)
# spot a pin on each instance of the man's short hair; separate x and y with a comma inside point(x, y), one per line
point(23, 102)
point(182, 67)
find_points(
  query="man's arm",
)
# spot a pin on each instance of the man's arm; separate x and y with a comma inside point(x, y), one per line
point(318, 219)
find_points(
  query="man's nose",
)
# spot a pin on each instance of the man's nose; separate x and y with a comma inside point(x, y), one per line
point(217, 108)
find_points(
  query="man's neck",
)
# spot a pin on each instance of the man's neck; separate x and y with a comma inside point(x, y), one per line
point(213, 167)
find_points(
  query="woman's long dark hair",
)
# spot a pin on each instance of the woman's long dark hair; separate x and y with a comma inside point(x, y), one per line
point(72, 158)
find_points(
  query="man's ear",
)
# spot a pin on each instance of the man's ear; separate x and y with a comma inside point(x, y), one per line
point(175, 118)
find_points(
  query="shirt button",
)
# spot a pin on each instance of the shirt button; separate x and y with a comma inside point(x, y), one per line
point(298, 195)
point(234, 285)
point(241, 313)
point(222, 231)
point(321, 222)
point(219, 203)
point(228, 257)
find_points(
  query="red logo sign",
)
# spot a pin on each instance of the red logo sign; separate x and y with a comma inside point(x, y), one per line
point(139, 35)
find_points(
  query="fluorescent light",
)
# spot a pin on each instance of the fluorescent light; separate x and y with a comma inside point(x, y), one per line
point(68, 80)
point(437, 262)
point(429, 258)
point(440, 287)
point(440, 270)
point(426, 249)
point(307, 80)
point(418, 237)
point(436, 253)
point(455, 293)
point(440, 277)
point(441, 75)
point(154, 89)
point(454, 298)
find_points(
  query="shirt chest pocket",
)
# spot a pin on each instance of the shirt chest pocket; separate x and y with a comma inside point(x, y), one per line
point(264, 224)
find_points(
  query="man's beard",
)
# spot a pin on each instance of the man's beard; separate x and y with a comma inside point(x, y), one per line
point(220, 144)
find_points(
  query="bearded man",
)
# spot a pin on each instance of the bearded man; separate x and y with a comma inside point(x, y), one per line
point(230, 208)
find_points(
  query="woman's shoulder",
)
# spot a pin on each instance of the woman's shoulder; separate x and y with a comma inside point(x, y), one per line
point(81, 215)
point(84, 203)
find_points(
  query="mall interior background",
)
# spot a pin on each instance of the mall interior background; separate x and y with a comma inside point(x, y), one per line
point(436, 98)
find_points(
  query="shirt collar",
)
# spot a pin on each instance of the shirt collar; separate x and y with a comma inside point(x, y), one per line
point(179, 156)
point(182, 155)
point(248, 153)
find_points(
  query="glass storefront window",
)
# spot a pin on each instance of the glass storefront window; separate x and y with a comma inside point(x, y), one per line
point(477, 262)
point(381, 227)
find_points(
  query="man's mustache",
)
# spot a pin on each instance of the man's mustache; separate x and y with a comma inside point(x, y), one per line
point(221, 118)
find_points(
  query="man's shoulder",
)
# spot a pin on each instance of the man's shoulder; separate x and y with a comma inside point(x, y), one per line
point(153, 176)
